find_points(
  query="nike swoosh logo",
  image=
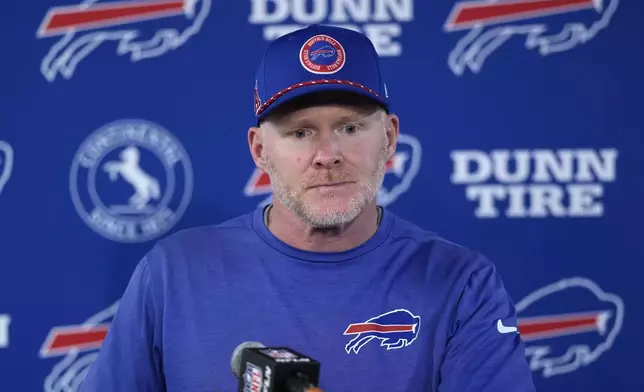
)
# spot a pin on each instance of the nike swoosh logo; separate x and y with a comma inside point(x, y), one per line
point(503, 329)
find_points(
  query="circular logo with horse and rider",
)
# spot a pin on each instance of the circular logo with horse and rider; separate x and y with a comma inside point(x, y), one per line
point(131, 181)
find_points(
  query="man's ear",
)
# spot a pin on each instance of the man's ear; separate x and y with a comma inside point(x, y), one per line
point(392, 124)
point(256, 145)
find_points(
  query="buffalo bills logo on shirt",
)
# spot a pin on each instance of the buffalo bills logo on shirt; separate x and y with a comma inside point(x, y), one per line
point(396, 329)
point(322, 55)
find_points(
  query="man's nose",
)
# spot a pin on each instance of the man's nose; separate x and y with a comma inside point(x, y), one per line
point(328, 154)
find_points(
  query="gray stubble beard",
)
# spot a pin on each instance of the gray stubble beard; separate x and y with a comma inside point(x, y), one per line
point(292, 198)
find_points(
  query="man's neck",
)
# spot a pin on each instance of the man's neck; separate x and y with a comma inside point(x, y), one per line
point(289, 228)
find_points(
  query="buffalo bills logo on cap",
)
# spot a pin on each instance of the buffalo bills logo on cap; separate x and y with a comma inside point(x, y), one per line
point(322, 54)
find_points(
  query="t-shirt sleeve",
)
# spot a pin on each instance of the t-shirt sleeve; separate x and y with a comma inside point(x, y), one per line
point(484, 351)
point(129, 358)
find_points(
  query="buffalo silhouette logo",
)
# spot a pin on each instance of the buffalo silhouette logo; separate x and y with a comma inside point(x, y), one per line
point(141, 29)
point(546, 26)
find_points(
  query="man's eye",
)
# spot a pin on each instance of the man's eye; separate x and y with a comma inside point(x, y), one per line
point(300, 133)
point(350, 128)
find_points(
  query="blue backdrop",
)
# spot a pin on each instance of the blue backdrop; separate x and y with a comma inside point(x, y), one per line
point(122, 122)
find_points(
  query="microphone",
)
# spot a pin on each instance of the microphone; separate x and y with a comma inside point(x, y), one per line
point(274, 369)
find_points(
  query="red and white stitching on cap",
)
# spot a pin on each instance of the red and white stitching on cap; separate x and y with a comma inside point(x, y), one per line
point(310, 83)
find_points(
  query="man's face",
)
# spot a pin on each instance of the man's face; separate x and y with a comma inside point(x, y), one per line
point(326, 163)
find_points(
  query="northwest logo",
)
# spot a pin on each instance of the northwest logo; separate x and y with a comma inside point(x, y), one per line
point(131, 181)
point(82, 28)
point(547, 26)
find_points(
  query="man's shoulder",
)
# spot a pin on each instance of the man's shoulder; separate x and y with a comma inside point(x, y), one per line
point(204, 239)
point(238, 225)
point(405, 229)
point(438, 248)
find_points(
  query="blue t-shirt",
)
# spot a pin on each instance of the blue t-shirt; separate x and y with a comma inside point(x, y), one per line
point(201, 292)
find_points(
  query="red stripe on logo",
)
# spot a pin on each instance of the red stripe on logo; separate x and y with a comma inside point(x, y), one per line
point(62, 340)
point(371, 327)
point(554, 326)
point(468, 14)
point(60, 20)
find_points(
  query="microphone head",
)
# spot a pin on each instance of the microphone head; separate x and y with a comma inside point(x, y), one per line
point(235, 360)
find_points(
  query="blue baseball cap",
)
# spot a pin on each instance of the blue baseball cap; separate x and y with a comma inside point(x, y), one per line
point(314, 59)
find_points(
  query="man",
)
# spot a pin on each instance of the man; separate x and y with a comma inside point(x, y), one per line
point(323, 269)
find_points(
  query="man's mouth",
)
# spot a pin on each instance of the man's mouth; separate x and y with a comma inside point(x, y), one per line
point(336, 184)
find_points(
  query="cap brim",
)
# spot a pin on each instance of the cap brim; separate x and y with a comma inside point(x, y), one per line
point(331, 85)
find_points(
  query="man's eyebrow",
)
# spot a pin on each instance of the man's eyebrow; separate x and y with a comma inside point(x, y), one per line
point(356, 117)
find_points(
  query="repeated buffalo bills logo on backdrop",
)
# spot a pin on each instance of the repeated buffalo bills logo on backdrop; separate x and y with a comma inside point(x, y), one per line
point(322, 55)
point(400, 171)
point(77, 346)
point(568, 324)
point(5, 322)
point(396, 329)
point(546, 26)
point(140, 29)
point(6, 163)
